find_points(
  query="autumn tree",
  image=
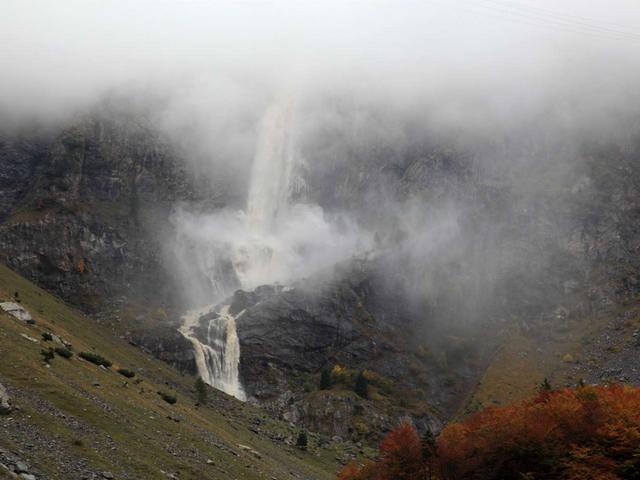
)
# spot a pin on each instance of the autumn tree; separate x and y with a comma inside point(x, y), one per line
point(588, 433)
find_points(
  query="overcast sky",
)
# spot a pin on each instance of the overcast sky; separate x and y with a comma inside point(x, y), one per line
point(62, 53)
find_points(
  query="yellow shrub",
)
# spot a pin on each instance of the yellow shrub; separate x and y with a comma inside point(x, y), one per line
point(339, 374)
point(160, 314)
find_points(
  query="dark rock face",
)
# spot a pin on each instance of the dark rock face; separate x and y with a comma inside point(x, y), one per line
point(84, 209)
point(164, 341)
point(292, 332)
point(19, 158)
point(288, 335)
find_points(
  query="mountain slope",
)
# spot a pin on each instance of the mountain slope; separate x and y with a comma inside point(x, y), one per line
point(76, 420)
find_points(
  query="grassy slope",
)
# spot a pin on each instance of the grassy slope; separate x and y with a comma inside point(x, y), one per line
point(121, 428)
point(523, 361)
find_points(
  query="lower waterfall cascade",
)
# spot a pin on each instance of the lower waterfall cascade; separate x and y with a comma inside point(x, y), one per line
point(218, 358)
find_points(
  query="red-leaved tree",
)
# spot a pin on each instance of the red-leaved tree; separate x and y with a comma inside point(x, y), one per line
point(590, 433)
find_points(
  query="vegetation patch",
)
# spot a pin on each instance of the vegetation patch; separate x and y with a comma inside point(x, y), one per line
point(126, 372)
point(95, 359)
point(167, 397)
point(63, 352)
point(47, 355)
point(584, 433)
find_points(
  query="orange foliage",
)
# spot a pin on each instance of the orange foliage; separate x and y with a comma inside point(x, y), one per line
point(400, 459)
point(587, 433)
point(401, 455)
point(591, 433)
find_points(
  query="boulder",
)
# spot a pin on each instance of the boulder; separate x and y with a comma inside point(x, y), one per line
point(16, 311)
point(5, 404)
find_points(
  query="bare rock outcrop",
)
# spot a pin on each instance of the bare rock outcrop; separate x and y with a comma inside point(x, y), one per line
point(5, 401)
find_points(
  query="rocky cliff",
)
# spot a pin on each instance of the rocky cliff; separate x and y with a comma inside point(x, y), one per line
point(84, 213)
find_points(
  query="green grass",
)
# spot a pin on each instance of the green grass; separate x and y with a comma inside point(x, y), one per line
point(127, 427)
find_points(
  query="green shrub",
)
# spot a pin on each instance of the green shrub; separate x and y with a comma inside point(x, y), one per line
point(126, 372)
point(47, 355)
point(63, 352)
point(95, 359)
point(302, 441)
point(167, 397)
point(46, 336)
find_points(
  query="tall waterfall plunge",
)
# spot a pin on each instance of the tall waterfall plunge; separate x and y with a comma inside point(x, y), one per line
point(277, 238)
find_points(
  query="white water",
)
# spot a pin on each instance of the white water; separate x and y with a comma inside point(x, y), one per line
point(274, 179)
point(219, 358)
point(276, 239)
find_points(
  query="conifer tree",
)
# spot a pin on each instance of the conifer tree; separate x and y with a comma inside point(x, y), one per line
point(361, 386)
point(201, 391)
point(325, 379)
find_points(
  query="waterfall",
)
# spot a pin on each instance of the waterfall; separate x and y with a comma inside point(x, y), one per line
point(218, 358)
point(247, 251)
point(274, 179)
point(275, 239)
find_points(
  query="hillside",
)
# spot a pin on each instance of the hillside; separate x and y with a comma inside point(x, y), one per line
point(532, 272)
point(73, 419)
point(598, 349)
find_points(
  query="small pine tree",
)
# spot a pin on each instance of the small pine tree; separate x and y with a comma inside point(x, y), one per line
point(545, 386)
point(428, 448)
point(361, 386)
point(325, 379)
point(302, 440)
point(428, 444)
point(201, 391)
